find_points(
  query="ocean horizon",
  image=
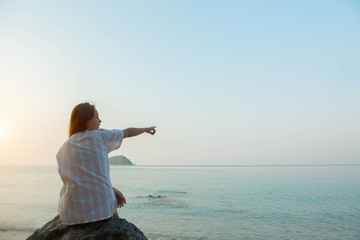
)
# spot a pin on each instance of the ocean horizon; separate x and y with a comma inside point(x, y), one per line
point(204, 165)
point(205, 201)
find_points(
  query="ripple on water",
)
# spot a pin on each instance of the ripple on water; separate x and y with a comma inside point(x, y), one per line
point(166, 198)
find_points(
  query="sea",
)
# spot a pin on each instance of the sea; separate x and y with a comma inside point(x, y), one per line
point(205, 202)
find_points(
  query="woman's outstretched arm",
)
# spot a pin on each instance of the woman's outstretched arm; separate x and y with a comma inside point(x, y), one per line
point(132, 132)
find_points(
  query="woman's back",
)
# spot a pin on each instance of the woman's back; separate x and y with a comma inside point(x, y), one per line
point(87, 194)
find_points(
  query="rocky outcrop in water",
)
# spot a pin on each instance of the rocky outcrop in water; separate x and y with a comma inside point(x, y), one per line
point(114, 228)
point(120, 160)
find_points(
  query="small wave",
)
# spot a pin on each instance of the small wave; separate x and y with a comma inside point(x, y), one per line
point(164, 194)
point(151, 196)
point(232, 211)
point(166, 198)
point(172, 192)
point(174, 203)
point(170, 237)
point(158, 196)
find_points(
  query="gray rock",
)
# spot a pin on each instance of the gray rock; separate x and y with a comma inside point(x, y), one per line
point(114, 228)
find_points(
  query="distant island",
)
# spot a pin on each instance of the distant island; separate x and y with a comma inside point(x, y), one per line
point(120, 160)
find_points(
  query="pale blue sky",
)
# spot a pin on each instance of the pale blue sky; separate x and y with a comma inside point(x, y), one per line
point(226, 82)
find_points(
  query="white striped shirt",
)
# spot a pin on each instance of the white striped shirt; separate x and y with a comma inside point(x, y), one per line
point(87, 194)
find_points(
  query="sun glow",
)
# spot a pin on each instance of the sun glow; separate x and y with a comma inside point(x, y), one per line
point(2, 131)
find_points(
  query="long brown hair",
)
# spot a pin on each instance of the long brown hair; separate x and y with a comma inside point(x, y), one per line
point(80, 115)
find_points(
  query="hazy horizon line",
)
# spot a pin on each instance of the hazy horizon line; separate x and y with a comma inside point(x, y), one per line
point(207, 165)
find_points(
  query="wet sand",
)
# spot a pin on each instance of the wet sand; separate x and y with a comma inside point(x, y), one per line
point(14, 235)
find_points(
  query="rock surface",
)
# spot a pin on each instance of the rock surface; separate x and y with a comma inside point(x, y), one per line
point(109, 229)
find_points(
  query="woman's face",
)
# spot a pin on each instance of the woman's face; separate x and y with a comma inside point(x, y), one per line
point(93, 123)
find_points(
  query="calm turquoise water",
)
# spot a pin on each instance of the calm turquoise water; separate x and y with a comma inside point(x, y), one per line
point(321, 202)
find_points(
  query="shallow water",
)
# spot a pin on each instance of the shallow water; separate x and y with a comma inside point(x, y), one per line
point(303, 202)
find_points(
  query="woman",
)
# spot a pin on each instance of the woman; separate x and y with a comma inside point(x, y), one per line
point(87, 194)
